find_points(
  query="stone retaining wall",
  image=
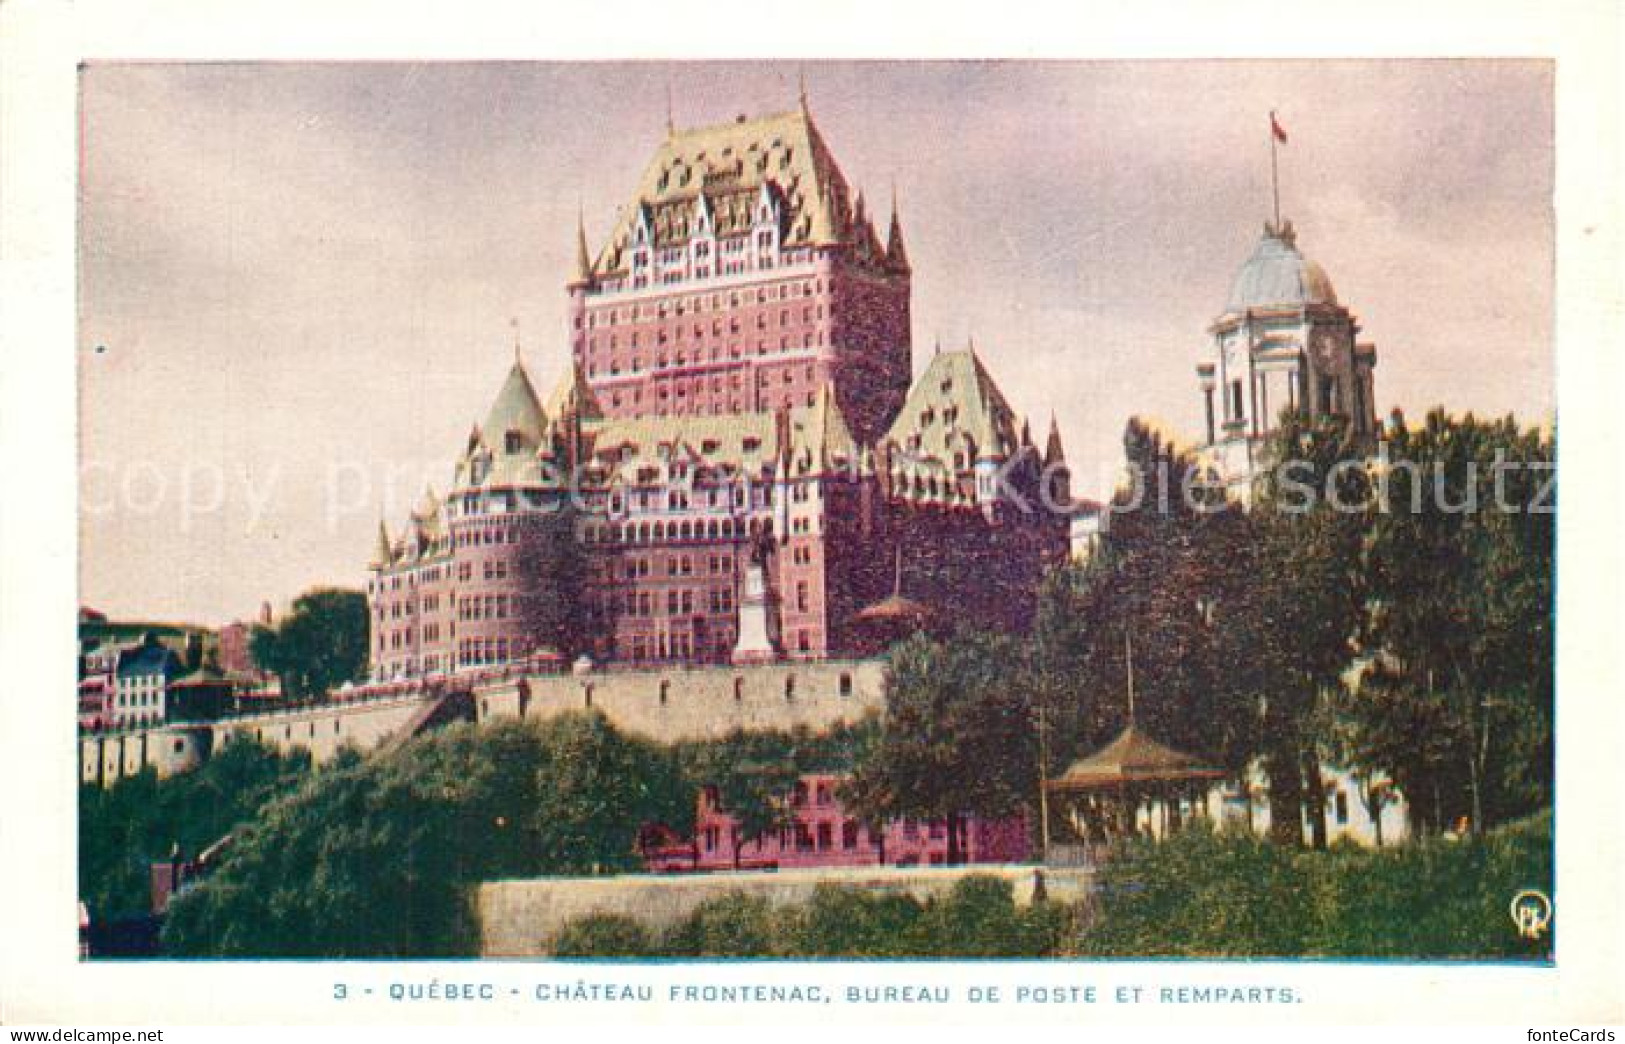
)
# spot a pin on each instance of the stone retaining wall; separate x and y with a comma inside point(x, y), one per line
point(521, 918)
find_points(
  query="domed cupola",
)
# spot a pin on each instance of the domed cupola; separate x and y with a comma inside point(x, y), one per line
point(1278, 276)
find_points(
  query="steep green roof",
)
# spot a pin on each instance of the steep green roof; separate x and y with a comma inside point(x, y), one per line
point(819, 437)
point(721, 170)
point(516, 408)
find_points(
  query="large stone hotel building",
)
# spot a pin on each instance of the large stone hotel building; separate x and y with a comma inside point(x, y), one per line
point(751, 474)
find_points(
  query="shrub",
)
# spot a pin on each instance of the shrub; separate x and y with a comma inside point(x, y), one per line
point(1200, 894)
point(731, 925)
point(1197, 894)
point(1435, 898)
point(603, 935)
point(378, 858)
point(843, 921)
point(979, 918)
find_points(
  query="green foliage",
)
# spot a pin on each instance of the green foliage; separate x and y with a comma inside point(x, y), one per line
point(377, 858)
point(1201, 894)
point(754, 771)
point(1169, 580)
point(603, 935)
point(1436, 898)
point(958, 735)
point(1461, 625)
point(140, 820)
point(978, 918)
point(318, 646)
point(841, 921)
point(731, 925)
point(1304, 605)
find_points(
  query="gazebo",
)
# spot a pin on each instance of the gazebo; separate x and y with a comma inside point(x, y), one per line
point(884, 623)
point(1106, 792)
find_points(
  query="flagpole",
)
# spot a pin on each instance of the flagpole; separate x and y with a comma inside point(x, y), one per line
point(1275, 180)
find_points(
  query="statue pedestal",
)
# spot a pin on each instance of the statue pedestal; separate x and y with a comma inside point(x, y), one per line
point(754, 645)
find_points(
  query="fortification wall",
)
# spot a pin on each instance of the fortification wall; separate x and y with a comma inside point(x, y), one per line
point(663, 705)
point(701, 702)
point(326, 729)
point(522, 918)
point(106, 757)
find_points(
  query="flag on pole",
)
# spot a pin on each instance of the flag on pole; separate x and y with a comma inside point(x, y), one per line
point(1276, 128)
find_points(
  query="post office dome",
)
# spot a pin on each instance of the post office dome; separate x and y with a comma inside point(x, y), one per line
point(1277, 275)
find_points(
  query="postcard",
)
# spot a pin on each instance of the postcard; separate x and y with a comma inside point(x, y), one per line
point(1001, 538)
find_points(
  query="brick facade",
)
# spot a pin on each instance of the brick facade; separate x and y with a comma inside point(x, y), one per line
point(739, 396)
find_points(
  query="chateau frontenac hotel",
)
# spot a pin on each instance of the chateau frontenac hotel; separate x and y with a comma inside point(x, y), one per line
point(747, 469)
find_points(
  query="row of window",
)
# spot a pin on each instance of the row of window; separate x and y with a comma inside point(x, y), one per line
point(660, 532)
point(698, 407)
point(488, 607)
point(473, 652)
point(678, 602)
point(676, 565)
point(699, 303)
point(679, 331)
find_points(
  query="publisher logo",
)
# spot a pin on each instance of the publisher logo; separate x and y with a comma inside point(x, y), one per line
point(1531, 913)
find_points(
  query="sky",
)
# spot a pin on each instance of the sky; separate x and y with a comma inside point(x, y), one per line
point(299, 283)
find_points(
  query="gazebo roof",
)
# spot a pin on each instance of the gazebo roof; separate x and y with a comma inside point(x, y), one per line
point(895, 607)
point(1129, 759)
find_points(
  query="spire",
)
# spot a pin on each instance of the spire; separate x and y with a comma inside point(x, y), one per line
point(514, 322)
point(896, 253)
point(381, 556)
point(583, 274)
point(1052, 446)
point(671, 122)
point(801, 92)
point(429, 506)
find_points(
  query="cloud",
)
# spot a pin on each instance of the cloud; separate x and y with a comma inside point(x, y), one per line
point(296, 265)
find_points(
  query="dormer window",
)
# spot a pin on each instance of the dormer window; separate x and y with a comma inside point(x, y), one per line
point(514, 442)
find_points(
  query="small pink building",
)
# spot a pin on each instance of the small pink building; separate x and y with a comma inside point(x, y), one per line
point(822, 833)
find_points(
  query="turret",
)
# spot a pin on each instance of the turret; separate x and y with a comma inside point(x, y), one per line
point(896, 253)
point(382, 554)
point(583, 269)
point(1053, 454)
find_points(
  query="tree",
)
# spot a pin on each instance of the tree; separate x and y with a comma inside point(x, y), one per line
point(1171, 579)
point(1306, 603)
point(957, 738)
point(141, 819)
point(377, 858)
point(318, 646)
point(1456, 704)
point(752, 774)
